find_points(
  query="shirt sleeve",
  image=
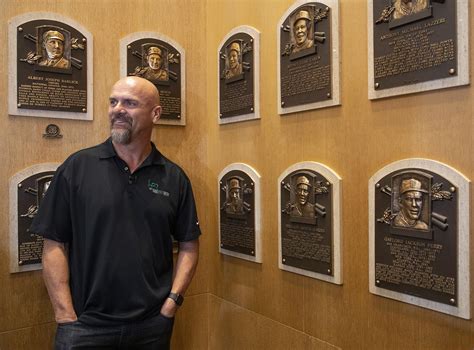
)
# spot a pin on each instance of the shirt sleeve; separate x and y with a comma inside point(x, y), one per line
point(187, 223)
point(54, 220)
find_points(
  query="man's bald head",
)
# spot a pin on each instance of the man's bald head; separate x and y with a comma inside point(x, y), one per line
point(142, 87)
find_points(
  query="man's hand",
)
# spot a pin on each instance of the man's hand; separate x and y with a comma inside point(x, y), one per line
point(169, 308)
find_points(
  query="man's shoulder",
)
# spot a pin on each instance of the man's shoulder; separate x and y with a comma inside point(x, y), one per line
point(85, 155)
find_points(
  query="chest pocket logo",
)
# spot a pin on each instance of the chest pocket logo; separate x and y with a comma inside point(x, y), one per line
point(153, 187)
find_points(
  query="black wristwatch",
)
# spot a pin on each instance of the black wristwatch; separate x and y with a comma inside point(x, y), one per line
point(177, 298)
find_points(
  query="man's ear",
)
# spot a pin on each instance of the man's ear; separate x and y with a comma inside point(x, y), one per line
point(156, 112)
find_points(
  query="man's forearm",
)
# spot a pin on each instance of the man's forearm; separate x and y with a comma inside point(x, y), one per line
point(56, 278)
point(186, 264)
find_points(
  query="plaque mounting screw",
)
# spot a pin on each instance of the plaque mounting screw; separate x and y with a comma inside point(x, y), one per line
point(282, 104)
point(20, 262)
point(177, 55)
point(20, 185)
point(20, 29)
point(19, 105)
point(84, 110)
point(377, 85)
point(377, 185)
point(328, 95)
point(179, 117)
point(251, 40)
point(329, 271)
point(251, 109)
point(328, 184)
point(252, 252)
point(84, 40)
point(129, 47)
point(220, 182)
point(452, 301)
point(222, 245)
point(284, 260)
point(453, 189)
point(220, 115)
point(452, 71)
point(377, 282)
point(282, 183)
point(327, 8)
point(251, 184)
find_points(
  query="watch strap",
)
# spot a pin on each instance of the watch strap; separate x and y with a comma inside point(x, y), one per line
point(177, 298)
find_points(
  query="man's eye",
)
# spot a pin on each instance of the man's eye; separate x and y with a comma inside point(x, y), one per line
point(113, 102)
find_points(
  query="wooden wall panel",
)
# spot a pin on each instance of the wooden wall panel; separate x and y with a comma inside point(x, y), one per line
point(355, 139)
point(23, 298)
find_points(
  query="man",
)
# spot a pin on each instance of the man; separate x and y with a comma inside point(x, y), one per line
point(107, 220)
point(235, 204)
point(234, 61)
point(154, 71)
point(411, 204)
point(408, 7)
point(53, 50)
point(302, 31)
point(302, 207)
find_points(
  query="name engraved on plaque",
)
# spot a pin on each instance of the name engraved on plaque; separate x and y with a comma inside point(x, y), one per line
point(412, 264)
point(236, 233)
point(414, 46)
point(305, 77)
point(51, 92)
point(306, 242)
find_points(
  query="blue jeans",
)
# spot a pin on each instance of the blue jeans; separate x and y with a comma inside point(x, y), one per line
point(154, 333)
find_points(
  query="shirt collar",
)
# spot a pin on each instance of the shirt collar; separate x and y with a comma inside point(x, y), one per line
point(107, 150)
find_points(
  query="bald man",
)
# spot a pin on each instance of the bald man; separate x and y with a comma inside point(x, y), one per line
point(108, 220)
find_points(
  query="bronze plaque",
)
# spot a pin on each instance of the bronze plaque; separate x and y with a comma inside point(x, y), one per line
point(414, 41)
point(305, 62)
point(306, 227)
point(416, 239)
point(236, 81)
point(237, 213)
point(160, 63)
point(31, 192)
point(51, 67)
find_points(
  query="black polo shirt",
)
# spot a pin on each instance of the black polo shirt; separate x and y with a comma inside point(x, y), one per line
point(119, 227)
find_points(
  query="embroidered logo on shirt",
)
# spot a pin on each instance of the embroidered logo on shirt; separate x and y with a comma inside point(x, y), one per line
point(153, 187)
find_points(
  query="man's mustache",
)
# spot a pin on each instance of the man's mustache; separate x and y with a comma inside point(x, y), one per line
point(122, 118)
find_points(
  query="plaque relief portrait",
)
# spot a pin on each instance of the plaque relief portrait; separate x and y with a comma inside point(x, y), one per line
point(234, 203)
point(239, 212)
point(308, 66)
point(238, 75)
point(49, 59)
point(154, 63)
point(233, 60)
point(52, 49)
point(417, 233)
point(309, 239)
point(416, 45)
point(161, 60)
point(404, 8)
